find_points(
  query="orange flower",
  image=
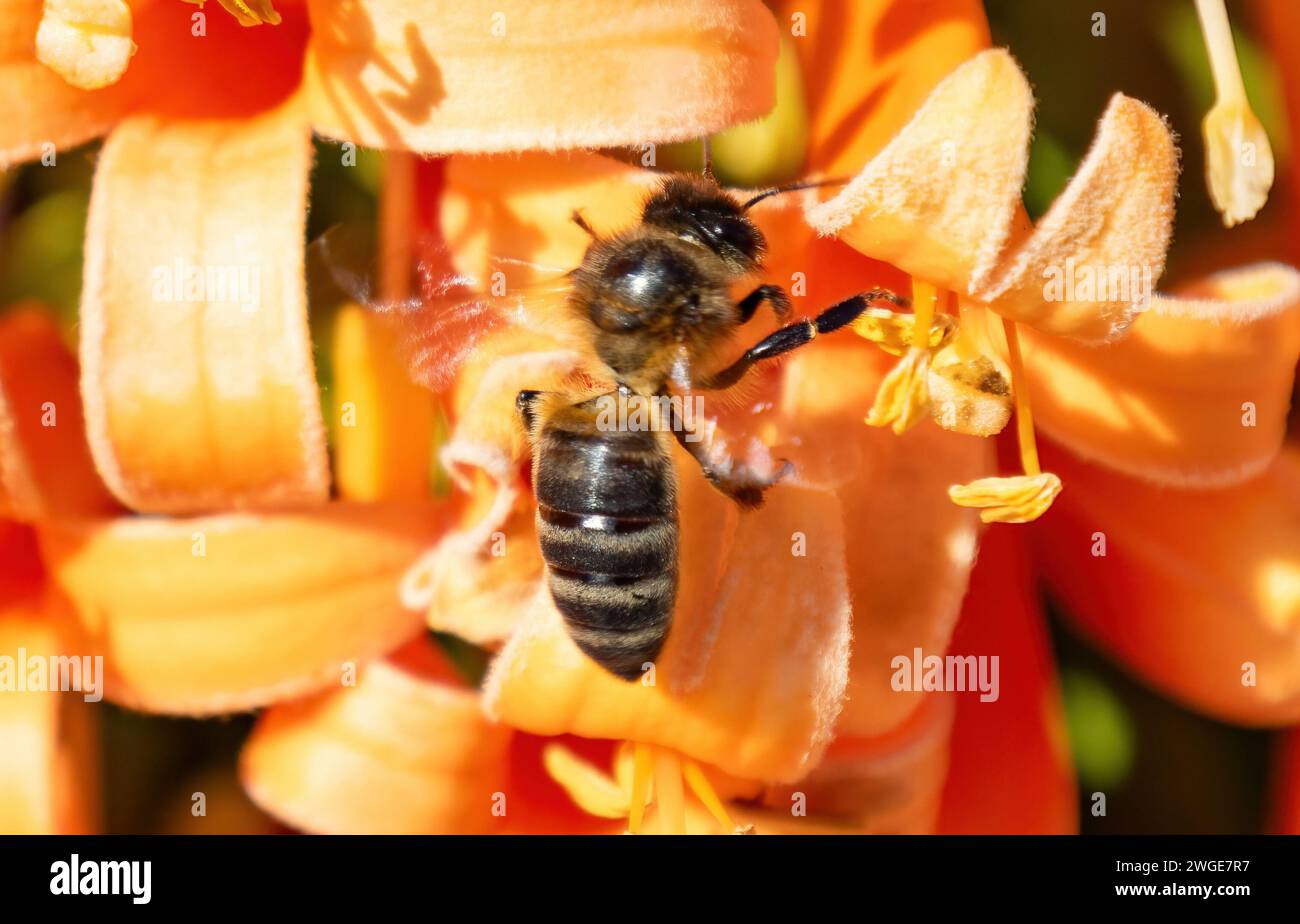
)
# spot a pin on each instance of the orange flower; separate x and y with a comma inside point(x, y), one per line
point(775, 705)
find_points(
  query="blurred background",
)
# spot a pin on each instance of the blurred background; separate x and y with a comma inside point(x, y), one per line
point(1165, 769)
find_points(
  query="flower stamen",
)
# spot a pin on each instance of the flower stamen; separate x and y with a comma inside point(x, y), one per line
point(903, 400)
point(642, 770)
point(247, 12)
point(1238, 158)
point(1021, 498)
point(86, 42)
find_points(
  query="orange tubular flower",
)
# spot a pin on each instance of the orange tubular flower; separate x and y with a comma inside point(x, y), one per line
point(269, 580)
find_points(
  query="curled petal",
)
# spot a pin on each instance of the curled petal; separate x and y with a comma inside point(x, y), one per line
point(704, 697)
point(45, 466)
point(1198, 592)
point(940, 200)
point(49, 764)
point(224, 613)
point(1091, 263)
point(1196, 395)
point(479, 579)
point(500, 75)
point(1017, 499)
point(404, 751)
point(196, 359)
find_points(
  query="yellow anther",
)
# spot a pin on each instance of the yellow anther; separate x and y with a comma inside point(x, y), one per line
point(590, 789)
point(86, 42)
point(1238, 158)
point(894, 331)
point(970, 397)
point(1019, 499)
point(248, 12)
point(903, 400)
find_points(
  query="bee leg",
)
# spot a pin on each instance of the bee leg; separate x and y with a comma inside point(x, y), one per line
point(524, 402)
point(580, 220)
point(773, 295)
point(734, 479)
point(795, 335)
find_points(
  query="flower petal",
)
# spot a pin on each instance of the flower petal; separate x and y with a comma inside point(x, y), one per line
point(1196, 395)
point(45, 466)
point(739, 605)
point(226, 71)
point(479, 579)
point(49, 764)
point(404, 751)
point(940, 200)
point(1010, 769)
point(868, 66)
point(887, 784)
point(520, 207)
point(38, 107)
point(197, 366)
point(1115, 218)
point(909, 550)
point(224, 613)
point(1197, 592)
point(384, 421)
point(512, 75)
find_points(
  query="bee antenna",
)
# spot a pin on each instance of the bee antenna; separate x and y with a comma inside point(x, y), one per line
point(794, 187)
point(706, 148)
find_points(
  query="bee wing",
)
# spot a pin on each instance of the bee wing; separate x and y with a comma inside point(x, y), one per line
point(439, 328)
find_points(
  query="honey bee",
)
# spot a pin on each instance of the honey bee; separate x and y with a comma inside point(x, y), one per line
point(650, 300)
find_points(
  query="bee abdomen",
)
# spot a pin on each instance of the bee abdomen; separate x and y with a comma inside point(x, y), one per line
point(607, 527)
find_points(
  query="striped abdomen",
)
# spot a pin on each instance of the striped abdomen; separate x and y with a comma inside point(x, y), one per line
point(607, 525)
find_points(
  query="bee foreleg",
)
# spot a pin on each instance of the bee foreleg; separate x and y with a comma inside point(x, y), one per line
point(795, 335)
point(773, 295)
point(524, 402)
point(738, 481)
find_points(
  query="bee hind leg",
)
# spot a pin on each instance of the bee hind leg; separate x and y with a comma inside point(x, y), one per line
point(738, 481)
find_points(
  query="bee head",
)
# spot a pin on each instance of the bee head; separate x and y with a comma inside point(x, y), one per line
point(696, 209)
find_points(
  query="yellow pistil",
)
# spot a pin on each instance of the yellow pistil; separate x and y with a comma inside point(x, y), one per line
point(629, 790)
point(903, 400)
point(86, 42)
point(1020, 498)
point(1238, 158)
point(247, 12)
point(642, 771)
